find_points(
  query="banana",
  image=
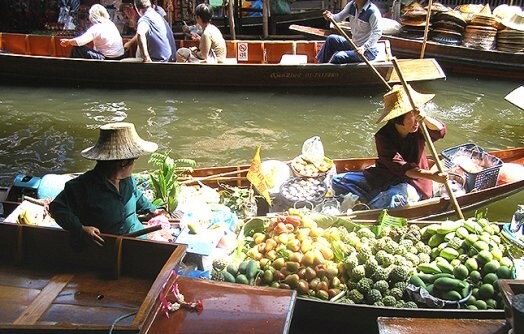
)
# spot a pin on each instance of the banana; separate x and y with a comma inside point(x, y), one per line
point(26, 217)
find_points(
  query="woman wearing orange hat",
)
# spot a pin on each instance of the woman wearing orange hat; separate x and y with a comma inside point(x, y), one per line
point(106, 199)
point(401, 174)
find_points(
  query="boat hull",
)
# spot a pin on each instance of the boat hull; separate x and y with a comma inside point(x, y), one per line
point(452, 58)
point(34, 59)
point(463, 60)
point(312, 316)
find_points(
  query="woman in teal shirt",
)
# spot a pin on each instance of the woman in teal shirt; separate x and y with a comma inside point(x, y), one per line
point(106, 199)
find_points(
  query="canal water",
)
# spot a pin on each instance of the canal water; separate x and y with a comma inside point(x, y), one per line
point(43, 130)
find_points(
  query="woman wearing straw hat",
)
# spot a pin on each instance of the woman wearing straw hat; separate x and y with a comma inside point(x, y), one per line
point(401, 174)
point(106, 198)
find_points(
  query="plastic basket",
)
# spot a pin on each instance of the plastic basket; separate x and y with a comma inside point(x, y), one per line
point(484, 179)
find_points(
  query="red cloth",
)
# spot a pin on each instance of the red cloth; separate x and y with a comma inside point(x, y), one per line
point(396, 155)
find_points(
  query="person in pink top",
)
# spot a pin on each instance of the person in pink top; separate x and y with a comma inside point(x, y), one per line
point(106, 39)
point(402, 173)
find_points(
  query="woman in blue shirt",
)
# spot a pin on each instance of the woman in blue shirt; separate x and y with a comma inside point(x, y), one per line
point(106, 199)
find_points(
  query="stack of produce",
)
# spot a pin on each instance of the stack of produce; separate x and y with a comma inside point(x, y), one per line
point(350, 263)
point(465, 254)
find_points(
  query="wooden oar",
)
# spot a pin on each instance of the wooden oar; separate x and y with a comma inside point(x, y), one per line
point(426, 29)
point(428, 140)
point(214, 176)
point(343, 33)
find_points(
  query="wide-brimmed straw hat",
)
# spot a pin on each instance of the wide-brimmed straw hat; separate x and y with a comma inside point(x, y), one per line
point(119, 141)
point(515, 21)
point(396, 102)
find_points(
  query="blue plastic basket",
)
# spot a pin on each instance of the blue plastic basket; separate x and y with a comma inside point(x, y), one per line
point(484, 179)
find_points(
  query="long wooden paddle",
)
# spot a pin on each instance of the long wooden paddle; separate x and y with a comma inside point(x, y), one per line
point(343, 33)
point(214, 176)
point(426, 29)
point(428, 139)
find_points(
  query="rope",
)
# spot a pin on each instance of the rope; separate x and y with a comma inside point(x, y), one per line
point(119, 319)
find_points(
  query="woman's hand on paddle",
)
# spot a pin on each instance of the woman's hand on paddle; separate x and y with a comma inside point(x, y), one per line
point(440, 177)
point(327, 15)
point(94, 234)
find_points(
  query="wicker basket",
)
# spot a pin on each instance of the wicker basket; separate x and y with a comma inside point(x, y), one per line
point(484, 179)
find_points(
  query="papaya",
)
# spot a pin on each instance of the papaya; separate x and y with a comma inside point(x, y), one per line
point(445, 267)
point(429, 268)
point(242, 279)
point(228, 277)
point(243, 266)
point(472, 226)
point(445, 283)
point(449, 253)
point(232, 269)
point(427, 278)
point(435, 240)
point(449, 226)
point(417, 281)
point(451, 295)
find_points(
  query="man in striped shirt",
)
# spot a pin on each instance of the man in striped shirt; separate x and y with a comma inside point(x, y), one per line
point(364, 18)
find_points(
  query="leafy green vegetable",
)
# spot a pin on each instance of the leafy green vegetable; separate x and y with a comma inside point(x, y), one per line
point(165, 178)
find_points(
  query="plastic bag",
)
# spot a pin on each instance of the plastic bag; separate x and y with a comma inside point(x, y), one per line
point(313, 150)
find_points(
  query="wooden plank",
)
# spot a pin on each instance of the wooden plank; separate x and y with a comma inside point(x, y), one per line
point(418, 69)
point(228, 308)
point(438, 326)
point(41, 303)
point(146, 313)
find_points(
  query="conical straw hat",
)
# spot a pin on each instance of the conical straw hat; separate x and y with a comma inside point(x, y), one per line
point(396, 102)
point(119, 141)
point(515, 21)
point(504, 11)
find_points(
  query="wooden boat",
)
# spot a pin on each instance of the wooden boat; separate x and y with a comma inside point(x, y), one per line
point(461, 59)
point(436, 326)
point(433, 208)
point(37, 59)
point(453, 58)
point(45, 287)
point(313, 316)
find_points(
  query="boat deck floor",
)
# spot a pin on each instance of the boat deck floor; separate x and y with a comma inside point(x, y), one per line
point(41, 297)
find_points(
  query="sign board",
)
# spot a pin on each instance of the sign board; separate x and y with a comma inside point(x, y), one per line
point(242, 52)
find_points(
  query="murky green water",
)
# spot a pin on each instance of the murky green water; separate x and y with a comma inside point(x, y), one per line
point(43, 130)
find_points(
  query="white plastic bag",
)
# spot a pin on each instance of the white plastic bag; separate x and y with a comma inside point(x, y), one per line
point(313, 150)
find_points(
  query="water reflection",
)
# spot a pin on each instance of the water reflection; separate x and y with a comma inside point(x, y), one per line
point(43, 130)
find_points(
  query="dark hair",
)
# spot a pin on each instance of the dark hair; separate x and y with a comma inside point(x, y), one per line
point(204, 11)
point(399, 119)
point(142, 4)
point(109, 167)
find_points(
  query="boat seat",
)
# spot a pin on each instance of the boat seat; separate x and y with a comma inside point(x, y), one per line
point(231, 61)
point(382, 55)
point(288, 59)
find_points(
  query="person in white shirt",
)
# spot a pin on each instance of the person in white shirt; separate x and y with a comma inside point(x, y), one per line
point(212, 46)
point(107, 42)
